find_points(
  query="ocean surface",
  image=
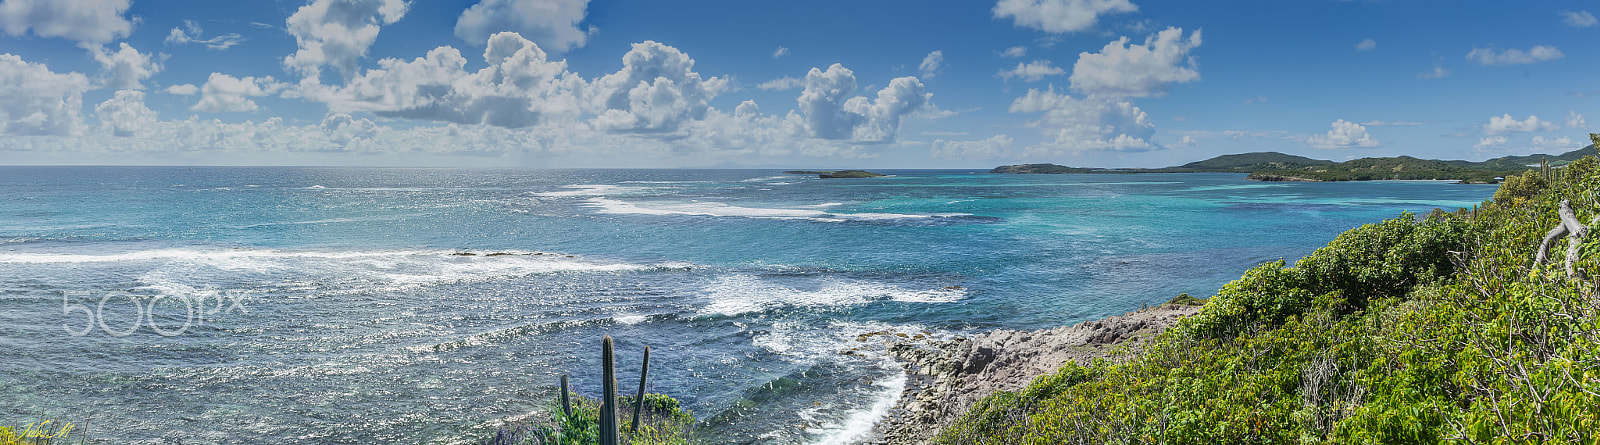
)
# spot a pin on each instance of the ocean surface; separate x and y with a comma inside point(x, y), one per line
point(157, 305)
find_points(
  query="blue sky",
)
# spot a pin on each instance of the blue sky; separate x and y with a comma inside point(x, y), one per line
point(826, 84)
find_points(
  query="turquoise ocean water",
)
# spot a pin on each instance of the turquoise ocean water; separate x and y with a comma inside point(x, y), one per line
point(307, 305)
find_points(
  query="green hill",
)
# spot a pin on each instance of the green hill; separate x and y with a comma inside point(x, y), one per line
point(1274, 166)
point(1267, 160)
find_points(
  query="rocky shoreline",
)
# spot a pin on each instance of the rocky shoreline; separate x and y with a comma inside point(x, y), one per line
point(945, 378)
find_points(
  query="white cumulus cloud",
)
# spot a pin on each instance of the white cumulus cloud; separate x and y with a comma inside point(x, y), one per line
point(126, 68)
point(223, 92)
point(36, 101)
point(780, 52)
point(932, 64)
point(1488, 56)
point(87, 21)
point(656, 91)
point(1032, 71)
point(832, 111)
point(1094, 123)
point(1506, 124)
point(520, 87)
point(1581, 19)
point(125, 114)
point(553, 24)
point(1366, 45)
point(1060, 16)
point(1576, 121)
point(1490, 142)
point(1343, 135)
point(1014, 52)
point(1564, 143)
point(1124, 70)
point(337, 33)
point(342, 129)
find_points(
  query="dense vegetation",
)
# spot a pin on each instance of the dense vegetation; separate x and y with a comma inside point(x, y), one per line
point(1274, 166)
point(663, 422)
point(1039, 169)
point(1412, 330)
point(1402, 167)
point(1250, 162)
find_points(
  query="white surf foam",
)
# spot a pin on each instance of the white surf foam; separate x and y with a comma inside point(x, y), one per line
point(718, 209)
point(857, 423)
point(581, 190)
point(743, 293)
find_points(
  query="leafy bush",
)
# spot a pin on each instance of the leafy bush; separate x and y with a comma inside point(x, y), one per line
point(1405, 331)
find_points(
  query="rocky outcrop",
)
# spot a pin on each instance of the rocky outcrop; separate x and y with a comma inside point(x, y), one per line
point(945, 378)
point(849, 174)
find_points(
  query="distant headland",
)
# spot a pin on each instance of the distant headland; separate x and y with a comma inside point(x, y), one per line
point(834, 174)
point(1274, 166)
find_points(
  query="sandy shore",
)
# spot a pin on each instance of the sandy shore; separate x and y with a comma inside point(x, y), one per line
point(945, 378)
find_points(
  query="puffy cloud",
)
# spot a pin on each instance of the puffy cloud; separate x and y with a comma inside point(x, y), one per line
point(342, 128)
point(36, 101)
point(1506, 124)
point(782, 83)
point(1490, 142)
point(1343, 135)
point(125, 69)
point(656, 90)
point(553, 24)
point(337, 32)
point(1366, 45)
point(1074, 125)
point(1581, 19)
point(1014, 52)
point(747, 109)
point(780, 52)
point(88, 21)
point(1488, 56)
point(1125, 70)
point(125, 114)
point(932, 64)
point(991, 148)
point(832, 112)
point(1438, 72)
point(183, 89)
point(1059, 16)
point(520, 87)
point(1576, 121)
point(227, 93)
point(181, 37)
point(1557, 143)
point(1032, 71)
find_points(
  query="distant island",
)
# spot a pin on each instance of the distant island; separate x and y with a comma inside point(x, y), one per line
point(835, 174)
point(1274, 166)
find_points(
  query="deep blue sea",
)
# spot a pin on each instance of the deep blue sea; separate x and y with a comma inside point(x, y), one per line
point(333, 305)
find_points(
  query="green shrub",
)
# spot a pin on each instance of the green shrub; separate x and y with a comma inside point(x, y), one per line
point(1405, 331)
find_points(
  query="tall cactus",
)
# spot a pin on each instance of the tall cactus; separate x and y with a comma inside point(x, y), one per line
point(608, 405)
point(638, 402)
point(566, 397)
